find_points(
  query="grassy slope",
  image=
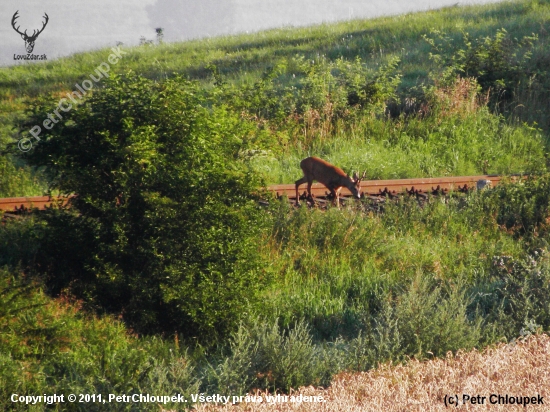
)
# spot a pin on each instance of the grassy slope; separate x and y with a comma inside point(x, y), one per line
point(243, 58)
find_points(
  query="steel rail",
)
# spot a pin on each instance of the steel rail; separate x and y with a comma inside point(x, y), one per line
point(395, 186)
point(20, 204)
point(417, 186)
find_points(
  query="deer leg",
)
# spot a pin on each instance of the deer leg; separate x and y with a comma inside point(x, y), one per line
point(298, 183)
point(335, 194)
point(309, 183)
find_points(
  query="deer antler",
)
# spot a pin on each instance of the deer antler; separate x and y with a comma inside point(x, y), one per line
point(357, 178)
point(13, 19)
point(35, 34)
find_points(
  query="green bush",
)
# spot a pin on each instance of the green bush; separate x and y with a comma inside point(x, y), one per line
point(499, 63)
point(309, 99)
point(263, 355)
point(163, 228)
point(521, 208)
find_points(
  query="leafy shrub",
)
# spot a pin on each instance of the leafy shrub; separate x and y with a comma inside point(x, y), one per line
point(162, 229)
point(265, 356)
point(308, 98)
point(516, 294)
point(521, 208)
point(498, 62)
point(426, 318)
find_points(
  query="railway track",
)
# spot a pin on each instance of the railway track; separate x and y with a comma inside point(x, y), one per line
point(372, 188)
point(22, 204)
point(377, 188)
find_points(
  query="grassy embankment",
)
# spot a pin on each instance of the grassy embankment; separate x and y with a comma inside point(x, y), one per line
point(244, 58)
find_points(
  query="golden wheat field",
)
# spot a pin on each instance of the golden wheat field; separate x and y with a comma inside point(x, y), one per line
point(521, 369)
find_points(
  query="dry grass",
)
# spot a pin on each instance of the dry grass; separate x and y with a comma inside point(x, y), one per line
point(521, 369)
point(461, 98)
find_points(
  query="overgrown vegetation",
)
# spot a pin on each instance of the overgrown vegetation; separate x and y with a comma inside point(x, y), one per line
point(164, 224)
point(166, 233)
point(507, 368)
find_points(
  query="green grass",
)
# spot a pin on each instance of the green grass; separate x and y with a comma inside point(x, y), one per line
point(49, 346)
point(330, 263)
point(246, 56)
point(479, 143)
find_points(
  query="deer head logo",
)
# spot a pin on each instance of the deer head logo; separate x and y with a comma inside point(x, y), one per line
point(29, 40)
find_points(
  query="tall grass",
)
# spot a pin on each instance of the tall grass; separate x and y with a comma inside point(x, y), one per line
point(49, 346)
point(336, 266)
point(341, 114)
point(479, 143)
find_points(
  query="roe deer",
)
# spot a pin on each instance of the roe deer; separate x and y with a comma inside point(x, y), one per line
point(331, 176)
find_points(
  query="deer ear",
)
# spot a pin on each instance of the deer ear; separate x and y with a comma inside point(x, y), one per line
point(355, 177)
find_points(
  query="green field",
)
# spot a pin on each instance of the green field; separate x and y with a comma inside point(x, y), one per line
point(166, 276)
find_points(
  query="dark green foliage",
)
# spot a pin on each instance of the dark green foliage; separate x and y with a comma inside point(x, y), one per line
point(162, 228)
point(47, 346)
point(499, 63)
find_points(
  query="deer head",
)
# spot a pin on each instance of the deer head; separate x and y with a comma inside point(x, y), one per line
point(29, 40)
point(357, 184)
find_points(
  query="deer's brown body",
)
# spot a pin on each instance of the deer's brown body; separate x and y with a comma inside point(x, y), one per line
point(329, 175)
